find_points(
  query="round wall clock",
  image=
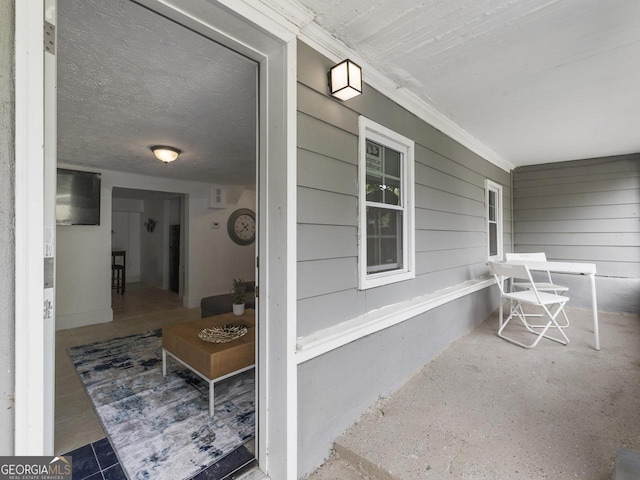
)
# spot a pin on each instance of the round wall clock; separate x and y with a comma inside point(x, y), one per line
point(242, 226)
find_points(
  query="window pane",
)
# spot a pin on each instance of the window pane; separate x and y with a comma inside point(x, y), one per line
point(492, 206)
point(493, 239)
point(374, 158)
point(391, 191)
point(374, 188)
point(384, 240)
point(391, 162)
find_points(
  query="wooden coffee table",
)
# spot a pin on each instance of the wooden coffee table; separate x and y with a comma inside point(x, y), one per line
point(212, 362)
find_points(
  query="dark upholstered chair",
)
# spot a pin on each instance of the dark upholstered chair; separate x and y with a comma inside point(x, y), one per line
point(219, 304)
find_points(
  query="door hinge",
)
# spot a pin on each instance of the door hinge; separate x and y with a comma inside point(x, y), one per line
point(49, 38)
point(48, 272)
point(257, 262)
point(257, 291)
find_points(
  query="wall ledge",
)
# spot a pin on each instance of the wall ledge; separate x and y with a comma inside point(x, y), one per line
point(327, 339)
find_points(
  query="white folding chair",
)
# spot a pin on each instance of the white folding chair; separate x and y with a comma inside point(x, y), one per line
point(547, 301)
point(541, 286)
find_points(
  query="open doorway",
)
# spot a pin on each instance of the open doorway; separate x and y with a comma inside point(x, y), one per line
point(119, 94)
point(147, 240)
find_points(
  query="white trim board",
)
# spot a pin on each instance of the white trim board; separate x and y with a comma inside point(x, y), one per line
point(30, 428)
point(327, 339)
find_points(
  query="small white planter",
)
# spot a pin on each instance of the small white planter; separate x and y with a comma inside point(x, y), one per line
point(238, 309)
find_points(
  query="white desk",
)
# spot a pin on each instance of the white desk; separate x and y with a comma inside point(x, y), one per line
point(588, 269)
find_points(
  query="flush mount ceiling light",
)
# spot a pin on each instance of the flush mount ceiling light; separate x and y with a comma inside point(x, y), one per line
point(165, 154)
point(345, 80)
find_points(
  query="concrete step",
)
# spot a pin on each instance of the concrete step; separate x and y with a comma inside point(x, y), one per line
point(360, 463)
point(627, 465)
point(335, 468)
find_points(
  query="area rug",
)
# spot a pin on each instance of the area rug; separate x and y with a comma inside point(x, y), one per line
point(160, 426)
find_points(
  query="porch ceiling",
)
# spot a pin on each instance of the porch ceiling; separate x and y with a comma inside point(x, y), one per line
point(535, 81)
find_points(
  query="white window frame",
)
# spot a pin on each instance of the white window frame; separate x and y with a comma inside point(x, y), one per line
point(497, 188)
point(369, 129)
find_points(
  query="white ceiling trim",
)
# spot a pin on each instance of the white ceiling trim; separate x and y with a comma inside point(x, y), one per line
point(316, 37)
point(284, 24)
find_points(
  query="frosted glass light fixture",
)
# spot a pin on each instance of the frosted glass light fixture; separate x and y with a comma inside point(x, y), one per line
point(165, 154)
point(345, 80)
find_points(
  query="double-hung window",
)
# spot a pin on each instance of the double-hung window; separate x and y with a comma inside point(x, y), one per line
point(493, 204)
point(386, 206)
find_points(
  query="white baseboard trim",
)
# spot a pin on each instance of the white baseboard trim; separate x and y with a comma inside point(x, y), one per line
point(327, 339)
point(74, 320)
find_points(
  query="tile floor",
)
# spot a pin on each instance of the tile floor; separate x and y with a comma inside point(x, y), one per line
point(98, 461)
point(78, 431)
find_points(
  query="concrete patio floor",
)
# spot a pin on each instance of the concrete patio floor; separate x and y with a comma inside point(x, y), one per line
point(488, 409)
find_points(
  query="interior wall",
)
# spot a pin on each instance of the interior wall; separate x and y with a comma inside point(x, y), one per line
point(83, 268)
point(585, 211)
point(7, 235)
point(152, 244)
point(125, 233)
point(335, 388)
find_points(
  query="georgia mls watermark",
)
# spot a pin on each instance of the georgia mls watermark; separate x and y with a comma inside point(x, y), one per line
point(35, 468)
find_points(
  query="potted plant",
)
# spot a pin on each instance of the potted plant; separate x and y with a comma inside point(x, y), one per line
point(239, 295)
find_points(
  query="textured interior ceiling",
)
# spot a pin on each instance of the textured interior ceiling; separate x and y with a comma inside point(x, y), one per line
point(129, 79)
point(536, 81)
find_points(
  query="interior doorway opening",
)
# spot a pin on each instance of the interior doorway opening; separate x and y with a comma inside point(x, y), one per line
point(108, 118)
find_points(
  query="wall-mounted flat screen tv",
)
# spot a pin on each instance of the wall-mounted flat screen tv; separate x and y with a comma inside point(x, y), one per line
point(78, 198)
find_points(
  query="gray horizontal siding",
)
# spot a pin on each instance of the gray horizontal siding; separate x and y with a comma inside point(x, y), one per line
point(436, 220)
point(322, 277)
point(586, 210)
point(572, 238)
point(435, 261)
point(326, 208)
point(326, 173)
point(450, 219)
point(592, 212)
point(325, 139)
point(313, 244)
point(432, 198)
point(600, 225)
point(450, 249)
point(599, 185)
point(520, 184)
point(612, 197)
point(430, 240)
point(627, 164)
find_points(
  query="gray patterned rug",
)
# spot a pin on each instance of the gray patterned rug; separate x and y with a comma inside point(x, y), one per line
point(160, 426)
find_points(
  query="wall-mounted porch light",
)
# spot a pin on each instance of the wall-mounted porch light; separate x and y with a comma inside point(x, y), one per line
point(165, 154)
point(345, 80)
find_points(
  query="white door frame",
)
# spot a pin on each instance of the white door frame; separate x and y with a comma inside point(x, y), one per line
point(254, 30)
point(30, 421)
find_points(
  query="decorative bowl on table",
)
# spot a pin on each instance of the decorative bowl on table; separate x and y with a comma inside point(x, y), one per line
point(223, 333)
